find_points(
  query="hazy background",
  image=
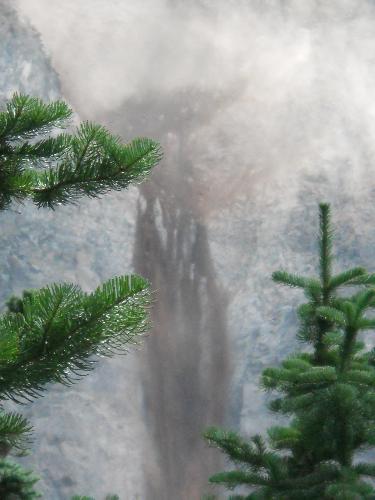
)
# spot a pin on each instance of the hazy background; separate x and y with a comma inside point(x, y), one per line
point(263, 108)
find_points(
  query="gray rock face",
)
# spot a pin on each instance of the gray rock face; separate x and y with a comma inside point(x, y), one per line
point(23, 64)
point(246, 163)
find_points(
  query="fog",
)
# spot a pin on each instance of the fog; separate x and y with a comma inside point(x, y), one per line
point(263, 108)
point(300, 74)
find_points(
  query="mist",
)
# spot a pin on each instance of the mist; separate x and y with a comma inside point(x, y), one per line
point(263, 109)
point(298, 76)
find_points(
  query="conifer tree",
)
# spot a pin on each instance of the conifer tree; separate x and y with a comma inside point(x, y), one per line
point(53, 334)
point(328, 391)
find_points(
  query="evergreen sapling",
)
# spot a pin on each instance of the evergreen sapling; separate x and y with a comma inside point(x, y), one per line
point(328, 391)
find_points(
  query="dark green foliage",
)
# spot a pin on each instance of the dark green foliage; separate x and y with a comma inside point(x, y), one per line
point(329, 393)
point(78, 497)
point(15, 304)
point(15, 434)
point(60, 169)
point(16, 483)
point(61, 328)
point(53, 334)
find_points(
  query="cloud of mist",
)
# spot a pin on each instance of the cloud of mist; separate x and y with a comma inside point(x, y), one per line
point(306, 71)
point(109, 51)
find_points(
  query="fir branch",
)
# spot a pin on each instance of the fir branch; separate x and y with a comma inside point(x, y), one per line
point(325, 245)
point(61, 328)
point(333, 315)
point(27, 116)
point(238, 449)
point(366, 279)
point(365, 324)
point(317, 375)
point(42, 152)
point(360, 377)
point(235, 478)
point(283, 437)
point(97, 165)
point(365, 469)
point(363, 300)
point(293, 404)
point(15, 433)
point(314, 291)
point(292, 280)
point(347, 278)
point(89, 163)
